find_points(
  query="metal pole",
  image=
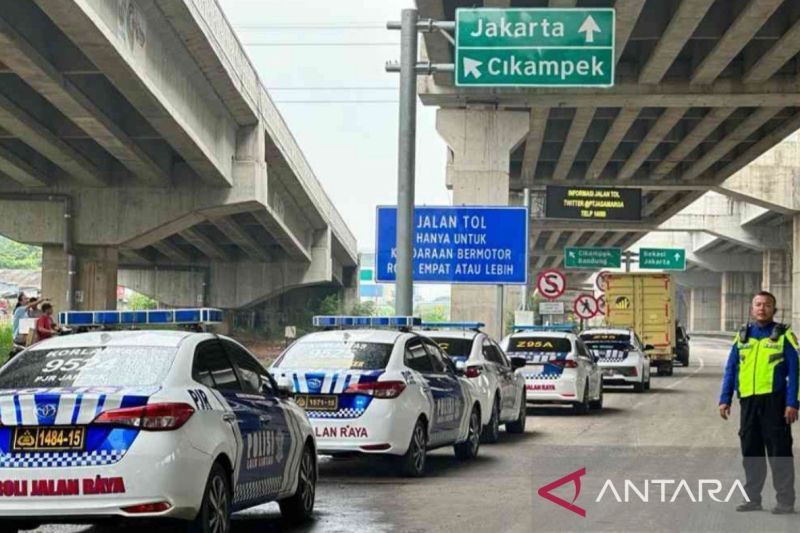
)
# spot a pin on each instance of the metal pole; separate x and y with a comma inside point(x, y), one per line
point(404, 300)
point(627, 261)
point(526, 201)
point(499, 311)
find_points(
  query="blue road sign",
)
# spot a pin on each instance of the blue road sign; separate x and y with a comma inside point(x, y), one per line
point(460, 245)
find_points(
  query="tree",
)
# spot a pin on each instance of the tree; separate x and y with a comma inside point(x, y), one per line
point(21, 256)
point(330, 305)
point(363, 308)
point(138, 302)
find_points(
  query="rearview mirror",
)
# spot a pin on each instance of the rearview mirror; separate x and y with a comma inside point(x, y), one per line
point(518, 362)
point(285, 389)
point(461, 367)
point(648, 347)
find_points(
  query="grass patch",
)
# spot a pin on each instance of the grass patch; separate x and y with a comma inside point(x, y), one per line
point(6, 341)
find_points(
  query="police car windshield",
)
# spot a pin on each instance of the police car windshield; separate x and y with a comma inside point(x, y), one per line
point(96, 366)
point(527, 345)
point(458, 348)
point(338, 355)
point(606, 341)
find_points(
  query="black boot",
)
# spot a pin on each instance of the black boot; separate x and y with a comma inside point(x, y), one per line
point(745, 507)
point(783, 509)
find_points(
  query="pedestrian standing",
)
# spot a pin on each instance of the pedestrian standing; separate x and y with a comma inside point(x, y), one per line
point(762, 368)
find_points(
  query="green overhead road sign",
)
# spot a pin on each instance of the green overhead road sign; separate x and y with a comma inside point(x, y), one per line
point(592, 257)
point(536, 47)
point(662, 258)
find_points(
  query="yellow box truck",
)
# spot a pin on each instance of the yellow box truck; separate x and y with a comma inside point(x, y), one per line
point(645, 303)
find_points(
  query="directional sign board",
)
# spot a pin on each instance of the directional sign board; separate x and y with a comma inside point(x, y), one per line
point(662, 258)
point(470, 244)
point(551, 284)
point(534, 47)
point(585, 306)
point(592, 257)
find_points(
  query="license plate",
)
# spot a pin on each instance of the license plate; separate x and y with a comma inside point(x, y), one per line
point(317, 402)
point(36, 439)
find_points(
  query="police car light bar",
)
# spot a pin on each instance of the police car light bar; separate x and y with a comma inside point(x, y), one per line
point(328, 321)
point(454, 325)
point(153, 317)
point(552, 327)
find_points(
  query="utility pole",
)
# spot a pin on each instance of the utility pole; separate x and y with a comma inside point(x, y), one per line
point(409, 68)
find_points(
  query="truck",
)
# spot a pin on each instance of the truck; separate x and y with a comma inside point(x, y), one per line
point(645, 303)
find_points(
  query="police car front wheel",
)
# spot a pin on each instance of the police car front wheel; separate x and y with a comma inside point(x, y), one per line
point(300, 506)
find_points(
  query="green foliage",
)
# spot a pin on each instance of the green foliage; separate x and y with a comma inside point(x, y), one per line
point(363, 309)
point(432, 313)
point(22, 256)
point(5, 341)
point(330, 305)
point(138, 302)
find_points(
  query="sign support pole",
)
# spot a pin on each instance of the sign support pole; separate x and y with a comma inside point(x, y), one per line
point(523, 294)
point(627, 261)
point(500, 313)
point(404, 299)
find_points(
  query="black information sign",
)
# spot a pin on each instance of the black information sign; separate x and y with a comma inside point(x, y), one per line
point(593, 203)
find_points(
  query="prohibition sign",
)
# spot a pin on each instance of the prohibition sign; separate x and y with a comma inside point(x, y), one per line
point(601, 304)
point(601, 280)
point(585, 306)
point(551, 283)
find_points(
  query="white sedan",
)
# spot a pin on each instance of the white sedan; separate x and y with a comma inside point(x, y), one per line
point(621, 356)
point(148, 425)
point(381, 391)
point(500, 389)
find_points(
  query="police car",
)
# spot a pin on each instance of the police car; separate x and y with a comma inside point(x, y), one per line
point(621, 356)
point(501, 391)
point(559, 367)
point(152, 424)
point(381, 391)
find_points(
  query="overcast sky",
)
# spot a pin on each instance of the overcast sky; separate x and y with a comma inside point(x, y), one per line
point(351, 147)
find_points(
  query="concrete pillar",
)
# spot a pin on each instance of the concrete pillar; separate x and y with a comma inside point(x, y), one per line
point(795, 265)
point(737, 290)
point(480, 142)
point(704, 309)
point(95, 281)
point(776, 277)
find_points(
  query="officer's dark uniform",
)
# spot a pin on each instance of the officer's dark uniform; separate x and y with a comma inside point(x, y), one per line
point(763, 369)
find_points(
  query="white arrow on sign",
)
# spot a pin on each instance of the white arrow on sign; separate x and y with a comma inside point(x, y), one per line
point(571, 253)
point(588, 27)
point(471, 67)
point(677, 256)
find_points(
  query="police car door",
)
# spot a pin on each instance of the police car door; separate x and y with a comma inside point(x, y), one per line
point(505, 377)
point(267, 442)
point(588, 367)
point(447, 393)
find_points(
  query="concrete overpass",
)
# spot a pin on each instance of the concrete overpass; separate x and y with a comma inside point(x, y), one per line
point(136, 137)
point(702, 88)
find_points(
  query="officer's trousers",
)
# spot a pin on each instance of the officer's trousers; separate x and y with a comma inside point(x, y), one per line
point(765, 435)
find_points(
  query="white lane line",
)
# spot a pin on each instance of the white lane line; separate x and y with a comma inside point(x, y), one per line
point(651, 395)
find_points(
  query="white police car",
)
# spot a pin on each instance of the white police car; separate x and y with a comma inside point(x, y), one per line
point(559, 367)
point(381, 391)
point(501, 390)
point(151, 424)
point(621, 356)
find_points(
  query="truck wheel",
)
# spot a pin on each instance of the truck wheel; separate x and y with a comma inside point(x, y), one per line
point(669, 369)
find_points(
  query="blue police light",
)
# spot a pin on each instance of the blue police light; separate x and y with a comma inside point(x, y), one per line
point(329, 321)
point(164, 317)
point(568, 328)
point(453, 325)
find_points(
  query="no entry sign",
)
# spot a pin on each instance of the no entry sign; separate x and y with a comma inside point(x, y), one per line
point(551, 284)
point(585, 306)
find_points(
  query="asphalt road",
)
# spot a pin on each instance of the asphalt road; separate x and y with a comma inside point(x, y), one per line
point(654, 440)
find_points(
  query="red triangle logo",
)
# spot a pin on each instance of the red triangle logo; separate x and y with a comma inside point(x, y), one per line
point(575, 479)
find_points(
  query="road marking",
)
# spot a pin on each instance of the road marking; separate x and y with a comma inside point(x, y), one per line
point(670, 386)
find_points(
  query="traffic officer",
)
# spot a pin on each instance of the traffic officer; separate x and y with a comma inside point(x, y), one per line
point(763, 368)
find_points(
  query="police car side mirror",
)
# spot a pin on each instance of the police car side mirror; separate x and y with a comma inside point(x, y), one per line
point(284, 387)
point(518, 362)
point(648, 347)
point(461, 367)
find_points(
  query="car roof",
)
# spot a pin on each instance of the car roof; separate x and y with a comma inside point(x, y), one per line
point(358, 335)
point(611, 331)
point(551, 334)
point(166, 338)
point(450, 333)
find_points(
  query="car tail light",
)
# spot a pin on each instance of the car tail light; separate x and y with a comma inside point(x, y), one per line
point(564, 363)
point(378, 389)
point(147, 508)
point(151, 417)
point(472, 371)
point(633, 372)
